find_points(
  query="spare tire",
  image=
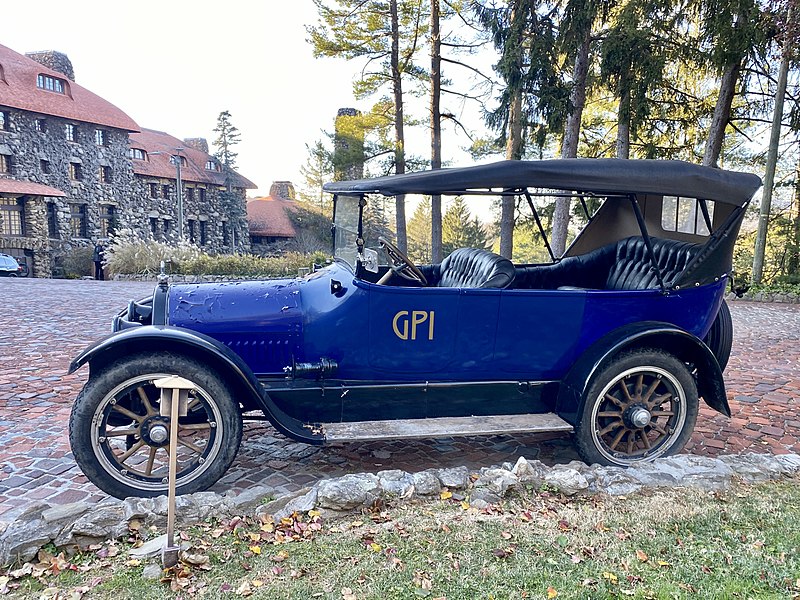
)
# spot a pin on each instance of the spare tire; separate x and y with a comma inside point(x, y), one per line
point(720, 337)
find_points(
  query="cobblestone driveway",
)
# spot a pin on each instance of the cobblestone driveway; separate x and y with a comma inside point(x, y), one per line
point(44, 323)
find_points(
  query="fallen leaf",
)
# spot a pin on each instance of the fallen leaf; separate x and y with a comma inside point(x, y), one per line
point(663, 563)
point(280, 556)
point(506, 535)
point(245, 589)
point(641, 556)
point(255, 549)
point(347, 594)
point(551, 592)
point(610, 577)
point(375, 547)
point(446, 495)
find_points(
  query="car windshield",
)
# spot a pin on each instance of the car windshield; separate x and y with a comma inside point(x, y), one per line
point(346, 230)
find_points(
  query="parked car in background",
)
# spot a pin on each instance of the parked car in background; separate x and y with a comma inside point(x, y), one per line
point(9, 267)
point(615, 342)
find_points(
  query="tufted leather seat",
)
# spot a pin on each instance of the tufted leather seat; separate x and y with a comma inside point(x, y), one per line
point(632, 269)
point(475, 268)
point(624, 265)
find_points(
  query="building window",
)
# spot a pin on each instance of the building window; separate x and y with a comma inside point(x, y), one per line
point(52, 84)
point(71, 132)
point(12, 217)
point(77, 220)
point(165, 191)
point(5, 121)
point(107, 220)
point(166, 227)
point(5, 163)
point(45, 166)
point(685, 215)
point(212, 165)
point(225, 240)
point(190, 194)
point(190, 223)
point(52, 221)
point(105, 174)
point(202, 193)
point(100, 137)
point(137, 154)
point(75, 171)
point(153, 190)
point(154, 227)
point(40, 125)
point(203, 233)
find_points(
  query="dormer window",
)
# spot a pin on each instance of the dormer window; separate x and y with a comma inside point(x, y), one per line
point(137, 154)
point(52, 84)
point(212, 165)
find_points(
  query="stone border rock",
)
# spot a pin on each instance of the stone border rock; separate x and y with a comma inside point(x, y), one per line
point(777, 297)
point(81, 524)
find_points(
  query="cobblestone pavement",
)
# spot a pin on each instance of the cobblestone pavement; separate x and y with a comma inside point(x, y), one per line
point(44, 323)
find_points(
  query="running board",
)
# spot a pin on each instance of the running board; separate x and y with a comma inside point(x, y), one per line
point(409, 429)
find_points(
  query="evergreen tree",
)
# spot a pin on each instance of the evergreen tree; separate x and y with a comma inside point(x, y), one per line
point(419, 234)
point(460, 229)
point(317, 171)
point(227, 137)
point(387, 35)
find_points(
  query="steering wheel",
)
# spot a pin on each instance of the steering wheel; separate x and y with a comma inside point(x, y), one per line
point(401, 264)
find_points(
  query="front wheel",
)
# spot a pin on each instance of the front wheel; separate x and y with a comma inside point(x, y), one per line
point(121, 442)
point(642, 406)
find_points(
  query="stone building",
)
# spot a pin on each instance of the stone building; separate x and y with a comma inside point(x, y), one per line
point(73, 167)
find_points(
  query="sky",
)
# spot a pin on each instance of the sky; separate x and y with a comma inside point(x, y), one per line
point(174, 66)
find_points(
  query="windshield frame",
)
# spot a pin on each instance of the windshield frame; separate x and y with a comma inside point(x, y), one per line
point(347, 230)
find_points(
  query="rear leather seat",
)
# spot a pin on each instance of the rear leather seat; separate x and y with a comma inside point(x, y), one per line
point(624, 265)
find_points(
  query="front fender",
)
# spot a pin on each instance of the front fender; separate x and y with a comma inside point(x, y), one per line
point(202, 347)
point(684, 345)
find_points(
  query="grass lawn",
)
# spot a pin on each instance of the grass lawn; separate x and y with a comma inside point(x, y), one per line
point(742, 543)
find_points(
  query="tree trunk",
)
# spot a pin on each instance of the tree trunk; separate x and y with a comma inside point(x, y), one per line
point(772, 160)
point(722, 114)
point(513, 152)
point(793, 263)
point(399, 136)
point(436, 130)
point(624, 125)
point(569, 145)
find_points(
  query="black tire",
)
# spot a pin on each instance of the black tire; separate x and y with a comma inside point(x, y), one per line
point(614, 430)
point(102, 427)
point(720, 337)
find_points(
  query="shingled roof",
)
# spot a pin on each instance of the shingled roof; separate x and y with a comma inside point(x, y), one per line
point(194, 169)
point(18, 89)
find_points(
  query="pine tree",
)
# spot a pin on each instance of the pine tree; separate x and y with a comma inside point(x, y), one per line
point(317, 171)
point(227, 137)
point(419, 233)
point(460, 229)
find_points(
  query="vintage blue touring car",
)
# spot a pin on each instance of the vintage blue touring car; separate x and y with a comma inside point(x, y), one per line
point(615, 341)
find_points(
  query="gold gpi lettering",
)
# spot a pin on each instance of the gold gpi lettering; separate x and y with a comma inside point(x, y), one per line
point(415, 318)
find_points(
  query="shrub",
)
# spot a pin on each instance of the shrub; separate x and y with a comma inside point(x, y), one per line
point(247, 265)
point(76, 263)
point(128, 254)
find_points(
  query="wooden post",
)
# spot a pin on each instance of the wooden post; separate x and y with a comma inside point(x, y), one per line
point(174, 404)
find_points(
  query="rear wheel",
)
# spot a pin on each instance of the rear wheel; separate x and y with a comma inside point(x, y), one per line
point(642, 406)
point(720, 337)
point(121, 442)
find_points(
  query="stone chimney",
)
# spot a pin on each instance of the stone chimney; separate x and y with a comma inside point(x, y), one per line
point(282, 189)
point(348, 145)
point(197, 143)
point(57, 61)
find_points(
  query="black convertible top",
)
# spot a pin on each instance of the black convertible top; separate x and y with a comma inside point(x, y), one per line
point(588, 175)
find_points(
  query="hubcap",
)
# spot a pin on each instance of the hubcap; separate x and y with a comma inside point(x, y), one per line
point(638, 415)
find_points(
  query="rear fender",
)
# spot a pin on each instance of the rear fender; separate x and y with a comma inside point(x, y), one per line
point(246, 388)
point(660, 336)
